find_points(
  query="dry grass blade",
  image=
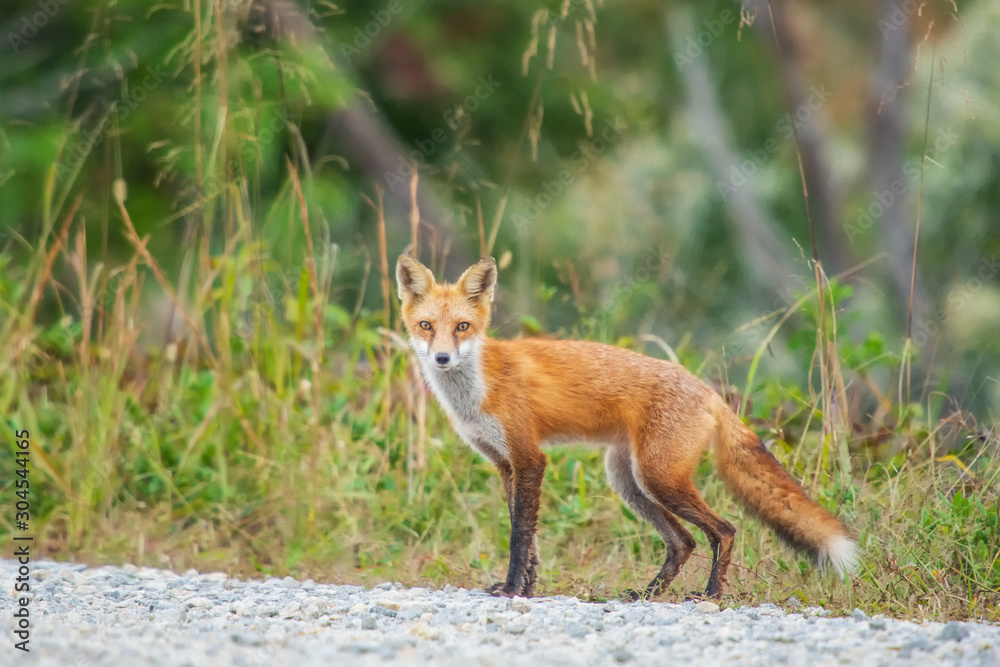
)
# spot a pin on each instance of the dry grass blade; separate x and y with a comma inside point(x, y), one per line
point(45, 274)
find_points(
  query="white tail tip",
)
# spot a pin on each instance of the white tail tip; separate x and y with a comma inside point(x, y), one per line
point(840, 553)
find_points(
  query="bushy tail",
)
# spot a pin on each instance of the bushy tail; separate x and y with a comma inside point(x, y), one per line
point(767, 490)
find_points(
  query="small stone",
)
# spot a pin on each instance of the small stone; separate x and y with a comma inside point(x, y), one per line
point(199, 602)
point(517, 627)
point(290, 610)
point(877, 624)
point(859, 615)
point(664, 616)
point(382, 611)
point(421, 629)
point(369, 623)
point(768, 609)
point(706, 607)
point(384, 586)
point(576, 630)
point(916, 644)
point(816, 611)
point(622, 655)
point(522, 605)
point(289, 582)
point(953, 631)
point(313, 608)
point(409, 613)
point(170, 615)
point(359, 608)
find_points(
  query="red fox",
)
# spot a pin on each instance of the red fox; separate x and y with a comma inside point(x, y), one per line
point(508, 398)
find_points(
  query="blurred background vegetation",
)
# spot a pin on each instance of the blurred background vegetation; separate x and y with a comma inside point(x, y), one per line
point(203, 199)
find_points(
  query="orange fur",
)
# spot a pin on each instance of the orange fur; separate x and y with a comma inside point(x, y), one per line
point(509, 398)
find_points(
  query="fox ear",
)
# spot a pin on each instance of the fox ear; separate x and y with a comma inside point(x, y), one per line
point(480, 280)
point(413, 279)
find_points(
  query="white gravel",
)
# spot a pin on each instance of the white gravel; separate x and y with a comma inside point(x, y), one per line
point(143, 616)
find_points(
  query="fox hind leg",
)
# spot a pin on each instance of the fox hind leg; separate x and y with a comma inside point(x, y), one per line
point(679, 542)
point(680, 497)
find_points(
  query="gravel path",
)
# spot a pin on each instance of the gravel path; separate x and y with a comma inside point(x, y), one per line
point(125, 616)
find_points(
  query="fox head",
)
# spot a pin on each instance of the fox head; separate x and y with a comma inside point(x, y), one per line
point(446, 322)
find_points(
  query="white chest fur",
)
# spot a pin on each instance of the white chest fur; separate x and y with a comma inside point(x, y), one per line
point(461, 391)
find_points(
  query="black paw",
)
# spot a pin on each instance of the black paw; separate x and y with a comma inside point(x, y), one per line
point(501, 590)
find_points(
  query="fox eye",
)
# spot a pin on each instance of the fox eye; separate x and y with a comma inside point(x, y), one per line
point(425, 325)
point(462, 326)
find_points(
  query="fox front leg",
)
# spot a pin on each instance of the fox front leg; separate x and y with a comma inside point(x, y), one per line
point(526, 484)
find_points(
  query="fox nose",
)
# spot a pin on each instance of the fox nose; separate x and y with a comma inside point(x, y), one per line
point(442, 358)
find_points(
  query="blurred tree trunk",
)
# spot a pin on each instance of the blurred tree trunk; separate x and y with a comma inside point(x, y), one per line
point(812, 141)
point(767, 256)
point(887, 128)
